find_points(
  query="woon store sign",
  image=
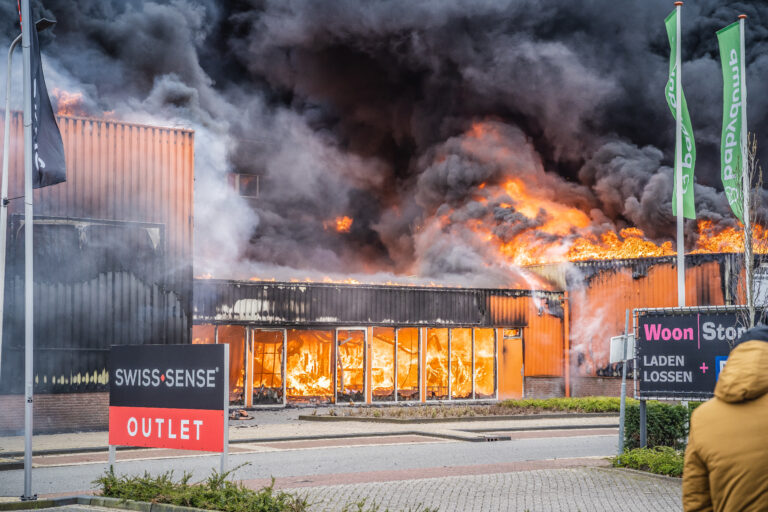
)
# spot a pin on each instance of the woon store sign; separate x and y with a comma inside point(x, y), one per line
point(679, 352)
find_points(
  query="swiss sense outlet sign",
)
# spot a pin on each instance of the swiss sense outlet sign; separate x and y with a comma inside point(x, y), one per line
point(168, 396)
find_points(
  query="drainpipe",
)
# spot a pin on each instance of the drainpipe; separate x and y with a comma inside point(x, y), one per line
point(567, 343)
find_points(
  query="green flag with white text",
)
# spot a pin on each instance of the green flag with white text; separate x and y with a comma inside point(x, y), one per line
point(688, 157)
point(731, 143)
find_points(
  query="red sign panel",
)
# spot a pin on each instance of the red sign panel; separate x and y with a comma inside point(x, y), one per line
point(154, 427)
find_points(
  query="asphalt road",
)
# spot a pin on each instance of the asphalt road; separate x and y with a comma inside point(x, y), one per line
point(322, 461)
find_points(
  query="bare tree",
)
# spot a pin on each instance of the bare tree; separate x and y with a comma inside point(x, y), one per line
point(754, 233)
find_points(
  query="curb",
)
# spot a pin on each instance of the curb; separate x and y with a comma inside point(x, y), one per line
point(99, 501)
point(351, 436)
point(467, 419)
point(548, 427)
point(675, 479)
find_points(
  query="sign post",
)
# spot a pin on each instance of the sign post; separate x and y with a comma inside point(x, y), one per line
point(614, 358)
point(225, 389)
point(169, 396)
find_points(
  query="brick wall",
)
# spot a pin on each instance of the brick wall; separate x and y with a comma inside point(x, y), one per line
point(548, 387)
point(600, 386)
point(56, 412)
point(544, 387)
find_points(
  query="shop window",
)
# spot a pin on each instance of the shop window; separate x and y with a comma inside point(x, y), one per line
point(309, 366)
point(350, 367)
point(267, 369)
point(408, 364)
point(437, 364)
point(383, 364)
point(485, 363)
point(461, 363)
point(234, 336)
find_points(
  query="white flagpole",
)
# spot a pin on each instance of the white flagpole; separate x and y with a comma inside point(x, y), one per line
point(26, 29)
point(4, 189)
point(679, 164)
point(745, 181)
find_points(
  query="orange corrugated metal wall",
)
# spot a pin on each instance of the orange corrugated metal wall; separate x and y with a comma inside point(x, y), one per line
point(119, 171)
point(598, 309)
point(542, 331)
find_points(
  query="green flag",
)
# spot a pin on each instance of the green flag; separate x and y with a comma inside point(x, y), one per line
point(729, 40)
point(688, 157)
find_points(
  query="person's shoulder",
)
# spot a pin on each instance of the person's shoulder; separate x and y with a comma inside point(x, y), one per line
point(705, 410)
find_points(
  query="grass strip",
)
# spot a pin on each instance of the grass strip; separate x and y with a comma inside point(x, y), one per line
point(661, 460)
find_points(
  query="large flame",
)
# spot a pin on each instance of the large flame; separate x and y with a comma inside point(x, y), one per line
point(546, 230)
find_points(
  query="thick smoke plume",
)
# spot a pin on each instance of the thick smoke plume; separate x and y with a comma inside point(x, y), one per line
point(444, 129)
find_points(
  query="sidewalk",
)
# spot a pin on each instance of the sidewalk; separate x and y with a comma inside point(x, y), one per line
point(284, 425)
point(534, 490)
point(538, 490)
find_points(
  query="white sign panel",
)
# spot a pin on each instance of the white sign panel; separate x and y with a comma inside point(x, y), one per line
point(617, 348)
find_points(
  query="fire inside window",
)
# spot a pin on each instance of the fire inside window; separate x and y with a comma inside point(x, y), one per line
point(509, 334)
point(356, 364)
point(247, 185)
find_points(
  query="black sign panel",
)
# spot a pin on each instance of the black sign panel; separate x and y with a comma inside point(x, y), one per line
point(168, 376)
point(680, 355)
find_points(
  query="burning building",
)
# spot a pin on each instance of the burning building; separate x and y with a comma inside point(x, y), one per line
point(320, 343)
point(449, 143)
point(113, 260)
point(113, 264)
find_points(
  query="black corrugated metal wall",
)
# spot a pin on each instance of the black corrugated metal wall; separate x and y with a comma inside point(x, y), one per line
point(113, 252)
point(315, 304)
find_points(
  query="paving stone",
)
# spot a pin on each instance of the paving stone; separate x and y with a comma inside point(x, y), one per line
point(582, 489)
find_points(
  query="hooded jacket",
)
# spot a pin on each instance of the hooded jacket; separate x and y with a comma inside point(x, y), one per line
point(726, 462)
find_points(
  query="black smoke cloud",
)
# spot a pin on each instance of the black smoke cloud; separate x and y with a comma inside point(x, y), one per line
point(365, 108)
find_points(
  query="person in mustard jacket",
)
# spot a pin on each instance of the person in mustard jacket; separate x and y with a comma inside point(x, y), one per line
point(726, 462)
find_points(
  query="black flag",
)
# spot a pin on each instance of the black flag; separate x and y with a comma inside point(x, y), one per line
point(48, 166)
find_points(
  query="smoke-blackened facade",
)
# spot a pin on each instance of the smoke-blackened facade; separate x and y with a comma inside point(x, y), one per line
point(113, 252)
point(311, 343)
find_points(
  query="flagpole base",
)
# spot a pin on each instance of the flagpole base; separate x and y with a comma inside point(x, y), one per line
point(29, 498)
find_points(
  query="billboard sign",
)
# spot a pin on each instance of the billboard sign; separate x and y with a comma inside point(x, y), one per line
point(681, 351)
point(168, 396)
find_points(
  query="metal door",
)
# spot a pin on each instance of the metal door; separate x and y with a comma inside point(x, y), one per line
point(511, 365)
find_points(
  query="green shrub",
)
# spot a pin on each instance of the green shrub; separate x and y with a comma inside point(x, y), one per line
point(214, 493)
point(662, 460)
point(667, 425)
point(582, 404)
point(592, 404)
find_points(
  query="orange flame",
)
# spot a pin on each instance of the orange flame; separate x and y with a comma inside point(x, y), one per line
point(69, 103)
point(546, 230)
point(341, 224)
